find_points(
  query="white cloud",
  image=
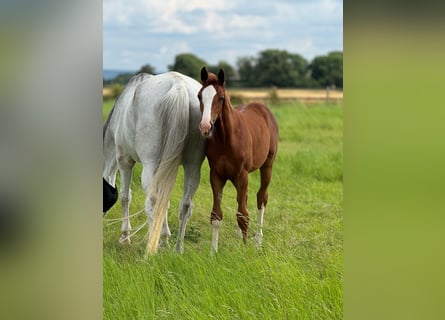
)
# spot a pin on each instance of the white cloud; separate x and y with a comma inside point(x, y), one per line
point(157, 30)
point(116, 12)
point(165, 16)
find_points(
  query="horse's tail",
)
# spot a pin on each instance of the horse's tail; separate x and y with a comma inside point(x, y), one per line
point(174, 121)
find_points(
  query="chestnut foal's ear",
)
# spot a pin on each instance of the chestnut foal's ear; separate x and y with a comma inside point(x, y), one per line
point(204, 74)
point(221, 77)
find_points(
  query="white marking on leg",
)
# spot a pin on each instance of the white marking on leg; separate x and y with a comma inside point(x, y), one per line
point(216, 224)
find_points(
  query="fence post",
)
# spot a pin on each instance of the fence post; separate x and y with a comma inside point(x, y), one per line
point(327, 94)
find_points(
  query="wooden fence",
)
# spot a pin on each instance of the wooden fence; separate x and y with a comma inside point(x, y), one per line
point(307, 96)
point(302, 95)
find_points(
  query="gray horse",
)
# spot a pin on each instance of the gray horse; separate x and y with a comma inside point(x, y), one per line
point(155, 121)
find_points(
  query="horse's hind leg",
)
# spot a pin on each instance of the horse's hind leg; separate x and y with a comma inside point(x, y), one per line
point(216, 216)
point(126, 170)
point(242, 215)
point(262, 196)
point(192, 173)
point(165, 233)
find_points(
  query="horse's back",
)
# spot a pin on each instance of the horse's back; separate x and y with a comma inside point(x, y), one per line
point(169, 90)
point(258, 134)
point(168, 102)
point(255, 111)
point(151, 92)
point(125, 99)
point(140, 112)
point(262, 123)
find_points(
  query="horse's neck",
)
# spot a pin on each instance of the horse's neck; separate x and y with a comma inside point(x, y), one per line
point(228, 122)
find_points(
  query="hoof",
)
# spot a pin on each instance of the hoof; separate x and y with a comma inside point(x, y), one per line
point(164, 243)
point(125, 238)
point(259, 240)
point(179, 248)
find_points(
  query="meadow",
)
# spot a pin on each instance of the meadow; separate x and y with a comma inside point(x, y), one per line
point(298, 274)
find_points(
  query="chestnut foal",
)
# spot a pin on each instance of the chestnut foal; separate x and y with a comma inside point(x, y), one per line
point(240, 140)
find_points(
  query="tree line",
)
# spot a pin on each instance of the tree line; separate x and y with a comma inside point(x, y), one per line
point(270, 68)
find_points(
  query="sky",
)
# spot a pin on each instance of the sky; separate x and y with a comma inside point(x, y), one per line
point(139, 32)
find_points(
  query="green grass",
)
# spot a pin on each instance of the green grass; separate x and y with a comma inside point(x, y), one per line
point(297, 275)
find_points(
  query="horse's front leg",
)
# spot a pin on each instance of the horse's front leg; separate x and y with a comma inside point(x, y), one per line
point(242, 215)
point(192, 174)
point(216, 216)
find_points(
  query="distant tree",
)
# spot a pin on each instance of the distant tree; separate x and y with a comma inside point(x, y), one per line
point(279, 68)
point(229, 71)
point(328, 70)
point(273, 67)
point(147, 68)
point(121, 78)
point(300, 67)
point(188, 64)
point(246, 71)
